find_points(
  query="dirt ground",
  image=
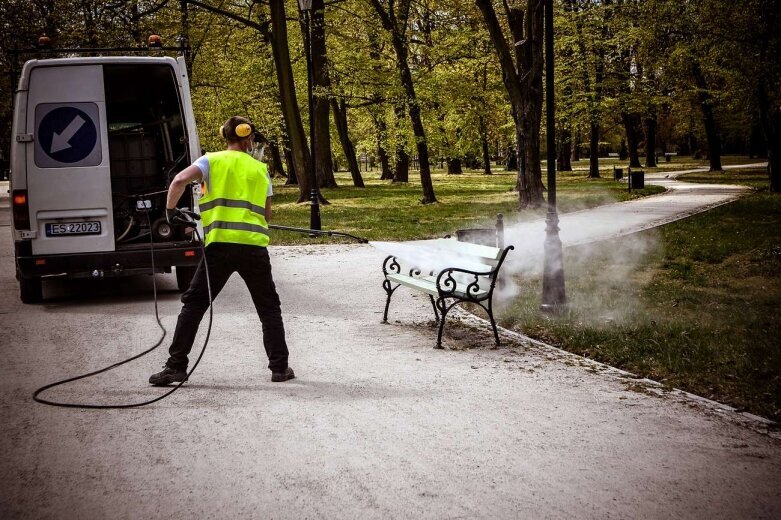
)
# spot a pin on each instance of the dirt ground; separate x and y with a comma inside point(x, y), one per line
point(377, 424)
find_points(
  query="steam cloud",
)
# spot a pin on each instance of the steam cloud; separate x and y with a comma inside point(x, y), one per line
point(597, 266)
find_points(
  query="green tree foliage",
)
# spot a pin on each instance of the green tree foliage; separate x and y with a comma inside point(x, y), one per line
point(647, 76)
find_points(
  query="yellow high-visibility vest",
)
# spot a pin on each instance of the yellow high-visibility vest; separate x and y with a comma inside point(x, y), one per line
point(234, 201)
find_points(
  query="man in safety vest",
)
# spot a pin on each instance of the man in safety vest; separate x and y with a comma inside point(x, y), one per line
point(235, 210)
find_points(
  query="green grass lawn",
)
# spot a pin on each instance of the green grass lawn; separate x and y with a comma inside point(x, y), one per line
point(387, 211)
point(756, 178)
point(693, 304)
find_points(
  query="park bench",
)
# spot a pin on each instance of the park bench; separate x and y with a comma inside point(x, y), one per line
point(467, 273)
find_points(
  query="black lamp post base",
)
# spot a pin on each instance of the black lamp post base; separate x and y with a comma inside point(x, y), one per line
point(554, 296)
point(556, 309)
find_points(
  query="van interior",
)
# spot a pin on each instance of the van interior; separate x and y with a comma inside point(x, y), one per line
point(147, 147)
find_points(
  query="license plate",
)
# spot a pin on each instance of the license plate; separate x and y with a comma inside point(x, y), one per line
point(73, 228)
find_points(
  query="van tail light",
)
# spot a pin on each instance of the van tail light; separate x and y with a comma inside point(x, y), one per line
point(21, 209)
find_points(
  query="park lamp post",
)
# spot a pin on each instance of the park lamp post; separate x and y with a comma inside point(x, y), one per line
point(305, 8)
point(553, 294)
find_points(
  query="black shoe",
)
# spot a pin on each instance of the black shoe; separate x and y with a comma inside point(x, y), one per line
point(278, 377)
point(167, 376)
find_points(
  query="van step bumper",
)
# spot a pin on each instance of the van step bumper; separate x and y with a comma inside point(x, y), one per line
point(74, 264)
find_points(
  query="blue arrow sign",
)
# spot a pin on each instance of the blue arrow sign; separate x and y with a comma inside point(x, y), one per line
point(67, 134)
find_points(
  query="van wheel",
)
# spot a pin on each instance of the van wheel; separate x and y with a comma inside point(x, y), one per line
point(31, 290)
point(162, 230)
point(184, 276)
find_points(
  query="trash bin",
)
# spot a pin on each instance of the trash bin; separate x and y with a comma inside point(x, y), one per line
point(482, 236)
point(618, 174)
point(637, 180)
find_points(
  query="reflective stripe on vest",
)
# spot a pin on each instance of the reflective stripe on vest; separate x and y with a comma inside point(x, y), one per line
point(238, 226)
point(228, 203)
point(234, 200)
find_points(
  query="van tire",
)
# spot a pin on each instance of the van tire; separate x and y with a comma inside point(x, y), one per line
point(31, 290)
point(184, 275)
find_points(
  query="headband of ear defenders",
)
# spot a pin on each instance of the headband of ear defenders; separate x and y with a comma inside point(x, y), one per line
point(242, 130)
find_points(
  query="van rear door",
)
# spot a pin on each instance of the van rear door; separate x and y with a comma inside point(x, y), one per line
point(68, 176)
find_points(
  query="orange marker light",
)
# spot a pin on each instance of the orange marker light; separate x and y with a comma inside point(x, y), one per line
point(20, 199)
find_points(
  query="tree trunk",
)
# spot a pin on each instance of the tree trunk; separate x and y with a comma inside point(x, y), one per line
point(486, 150)
point(292, 178)
point(394, 21)
point(757, 147)
point(563, 163)
point(774, 155)
point(709, 120)
point(593, 159)
point(623, 151)
point(631, 124)
point(340, 118)
point(135, 26)
point(523, 81)
point(289, 103)
point(512, 159)
point(276, 159)
point(529, 65)
point(454, 166)
point(321, 82)
point(401, 168)
point(400, 46)
point(576, 148)
point(770, 118)
point(386, 173)
point(650, 141)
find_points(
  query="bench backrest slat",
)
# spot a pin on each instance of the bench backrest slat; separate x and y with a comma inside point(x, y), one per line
point(474, 253)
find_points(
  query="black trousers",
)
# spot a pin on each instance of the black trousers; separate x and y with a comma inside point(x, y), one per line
point(253, 265)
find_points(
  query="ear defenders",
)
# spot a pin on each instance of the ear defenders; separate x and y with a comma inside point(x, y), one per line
point(241, 131)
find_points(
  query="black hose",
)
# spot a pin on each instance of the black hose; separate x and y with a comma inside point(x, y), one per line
point(144, 353)
point(159, 324)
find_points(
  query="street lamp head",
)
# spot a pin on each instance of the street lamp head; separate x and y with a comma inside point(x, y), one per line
point(305, 5)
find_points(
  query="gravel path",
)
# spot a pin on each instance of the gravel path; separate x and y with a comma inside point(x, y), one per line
point(377, 425)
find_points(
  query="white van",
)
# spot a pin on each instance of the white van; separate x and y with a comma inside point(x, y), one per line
point(96, 142)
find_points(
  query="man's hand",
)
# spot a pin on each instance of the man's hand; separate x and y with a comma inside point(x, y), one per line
point(171, 216)
point(181, 217)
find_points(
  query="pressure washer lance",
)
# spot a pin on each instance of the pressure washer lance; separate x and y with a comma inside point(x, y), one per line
point(314, 232)
point(188, 219)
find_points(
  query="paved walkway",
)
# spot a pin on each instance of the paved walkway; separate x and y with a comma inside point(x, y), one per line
point(378, 424)
point(681, 200)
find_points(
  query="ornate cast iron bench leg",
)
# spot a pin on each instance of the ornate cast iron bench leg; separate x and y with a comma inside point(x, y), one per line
point(443, 310)
point(434, 304)
point(389, 289)
point(493, 321)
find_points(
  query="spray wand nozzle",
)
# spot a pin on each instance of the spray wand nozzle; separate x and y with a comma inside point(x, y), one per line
point(318, 232)
point(185, 217)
